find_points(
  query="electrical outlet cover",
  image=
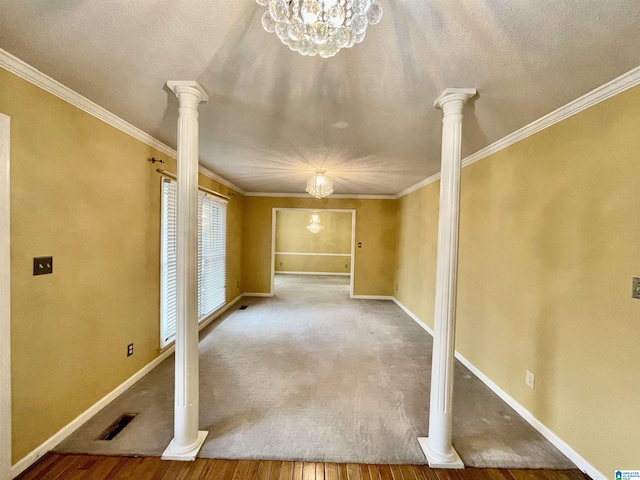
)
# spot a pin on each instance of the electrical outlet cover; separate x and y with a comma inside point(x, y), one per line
point(530, 380)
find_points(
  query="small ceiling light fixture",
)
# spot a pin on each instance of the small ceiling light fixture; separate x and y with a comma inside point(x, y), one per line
point(314, 224)
point(319, 185)
point(320, 27)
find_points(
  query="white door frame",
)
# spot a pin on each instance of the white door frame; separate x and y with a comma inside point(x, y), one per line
point(353, 241)
point(5, 302)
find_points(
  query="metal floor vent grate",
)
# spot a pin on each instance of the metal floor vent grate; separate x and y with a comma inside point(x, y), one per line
point(243, 307)
point(116, 427)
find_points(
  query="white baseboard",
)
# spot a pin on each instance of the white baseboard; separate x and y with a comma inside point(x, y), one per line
point(278, 272)
point(546, 432)
point(71, 427)
point(413, 316)
point(372, 297)
point(257, 294)
point(81, 419)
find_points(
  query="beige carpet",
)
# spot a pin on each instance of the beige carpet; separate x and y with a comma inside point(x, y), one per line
point(313, 375)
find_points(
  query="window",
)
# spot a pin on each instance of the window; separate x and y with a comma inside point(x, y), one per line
point(168, 264)
point(212, 250)
point(212, 239)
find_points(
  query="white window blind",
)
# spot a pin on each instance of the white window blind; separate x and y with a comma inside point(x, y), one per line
point(169, 273)
point(212, 253)
point(212, 241)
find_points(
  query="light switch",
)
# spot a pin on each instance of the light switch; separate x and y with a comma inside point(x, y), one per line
point(635, 291)
point(42, 265)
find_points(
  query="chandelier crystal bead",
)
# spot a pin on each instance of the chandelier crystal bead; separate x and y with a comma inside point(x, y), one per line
point(268, 23)
point(374, 13)
point(360, 6)
point(319, 185)
point(320, 27)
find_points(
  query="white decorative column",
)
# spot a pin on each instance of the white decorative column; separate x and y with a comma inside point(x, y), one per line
point(437, 447)
point(187, 440)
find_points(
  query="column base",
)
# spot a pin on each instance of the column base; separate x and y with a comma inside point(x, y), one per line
point(189, 455)
point(437, 461)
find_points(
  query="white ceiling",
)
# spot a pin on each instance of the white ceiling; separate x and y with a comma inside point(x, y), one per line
point(271, 115)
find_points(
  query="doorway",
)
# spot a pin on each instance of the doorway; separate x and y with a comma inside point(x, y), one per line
point(5, 302)
point(313, 242)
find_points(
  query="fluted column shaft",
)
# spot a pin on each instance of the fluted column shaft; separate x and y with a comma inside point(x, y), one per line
point(187, 439)
point(437, 446)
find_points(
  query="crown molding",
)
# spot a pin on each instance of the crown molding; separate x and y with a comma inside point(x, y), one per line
point(36, 77)
point(214, 176)
point(433, 178)
point(306, 195)
point(27, 72)
point(610, 89)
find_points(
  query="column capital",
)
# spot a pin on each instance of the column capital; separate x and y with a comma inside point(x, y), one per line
point(188, 86)
point(451, 94)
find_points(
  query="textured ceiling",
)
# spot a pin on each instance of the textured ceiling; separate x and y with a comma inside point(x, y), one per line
point(271, 115)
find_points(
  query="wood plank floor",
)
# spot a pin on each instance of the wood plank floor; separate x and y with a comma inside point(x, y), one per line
point(84, 467)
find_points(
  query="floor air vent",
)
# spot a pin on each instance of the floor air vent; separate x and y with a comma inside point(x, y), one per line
point(117, 426)
point(243, 307)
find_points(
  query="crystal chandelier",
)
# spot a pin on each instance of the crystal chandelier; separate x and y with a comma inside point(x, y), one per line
point(314, 224)
point(319, 186)
point(320, 27)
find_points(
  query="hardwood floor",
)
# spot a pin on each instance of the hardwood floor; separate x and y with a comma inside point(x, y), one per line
point(92, 467)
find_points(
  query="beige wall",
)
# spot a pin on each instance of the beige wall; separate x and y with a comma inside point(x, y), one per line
point(549, 241)
point(376, 227)
point(292, 236)
point(85, 193)
point(417, 245)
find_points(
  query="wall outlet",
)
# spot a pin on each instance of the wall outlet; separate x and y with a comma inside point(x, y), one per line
point(129, 349)
point(346, 265)
point(396, 287)
point(280, 263)
point(238, 284)
point(635, 290)
point(530, 380)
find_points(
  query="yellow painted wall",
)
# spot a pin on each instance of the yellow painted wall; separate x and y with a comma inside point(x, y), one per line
point(376, 226)
point(85, 193)
point(417, 247)
point(292, 236)
point(549, 242)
